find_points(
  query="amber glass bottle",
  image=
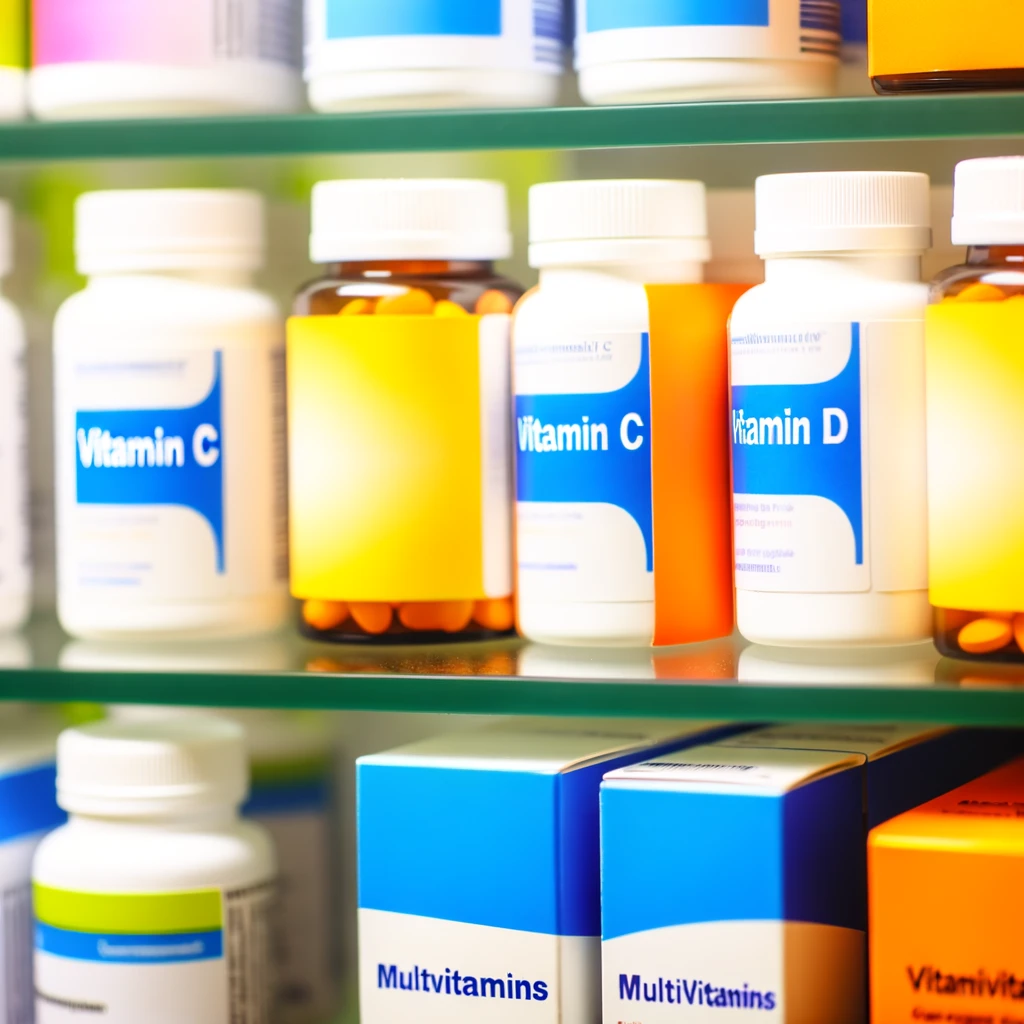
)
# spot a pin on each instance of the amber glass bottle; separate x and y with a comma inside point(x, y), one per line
point(975, 396)
point(393, 537)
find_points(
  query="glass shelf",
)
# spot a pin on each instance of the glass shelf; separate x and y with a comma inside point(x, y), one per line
point(687, 124)
point(725, 679)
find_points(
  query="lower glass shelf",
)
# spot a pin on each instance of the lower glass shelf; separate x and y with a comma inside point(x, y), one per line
point(725, 679)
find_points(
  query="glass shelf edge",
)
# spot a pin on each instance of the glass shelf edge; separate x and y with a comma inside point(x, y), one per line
point(855, 119)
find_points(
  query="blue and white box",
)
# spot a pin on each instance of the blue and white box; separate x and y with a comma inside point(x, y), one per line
point(734, 881)
point(479, 869)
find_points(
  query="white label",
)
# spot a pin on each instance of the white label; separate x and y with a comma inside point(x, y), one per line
point(218, 977)
point(828, 435)
point(734, 971)
point(14, 530)
point(583, 468)
point(169, 468)
point(611, 31)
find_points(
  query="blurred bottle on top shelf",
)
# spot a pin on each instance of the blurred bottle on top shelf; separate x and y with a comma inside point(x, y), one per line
point(109, 59)
point(13, 59)
point(677, 50)
point(367, 55)
point(853, 54)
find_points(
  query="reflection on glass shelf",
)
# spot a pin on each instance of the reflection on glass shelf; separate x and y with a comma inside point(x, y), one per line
point(513, 677)
point(913, 664)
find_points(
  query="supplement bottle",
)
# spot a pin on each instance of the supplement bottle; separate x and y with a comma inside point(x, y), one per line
point(28, 810)
point(107, 58)
point(675, 50)
point(15, 570)
point(975, 366)
point(398, 405)
point(291, 761)
point(169, 392)
point(13, 58)
point(828, 422)
point(442, 53)
point(154, 901)
point(620, 365)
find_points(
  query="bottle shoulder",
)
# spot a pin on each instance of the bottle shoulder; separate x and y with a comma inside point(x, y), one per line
point(585, 301)
point(151, 299)
point(855, 300)
point(116, 857)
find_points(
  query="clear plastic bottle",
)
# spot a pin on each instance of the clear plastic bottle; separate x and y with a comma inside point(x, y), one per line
point(975, 361)
point(106, 58)
point(828, 417)
point(15, 571)
point(673, 51)
point(409, 538)
point(154, 900)
point(169, 399)
point(446, 53)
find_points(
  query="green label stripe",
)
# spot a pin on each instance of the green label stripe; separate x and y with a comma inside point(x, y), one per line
point(283, 773)
point(136, 913)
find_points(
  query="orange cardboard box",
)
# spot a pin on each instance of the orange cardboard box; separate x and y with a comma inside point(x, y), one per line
point(946, 905)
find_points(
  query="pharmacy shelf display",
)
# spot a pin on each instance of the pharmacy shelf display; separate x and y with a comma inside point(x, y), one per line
point(685, 124)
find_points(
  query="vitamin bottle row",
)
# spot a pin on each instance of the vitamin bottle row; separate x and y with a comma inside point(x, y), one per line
point(154, 881)
point(105, 58)
point(599, 426)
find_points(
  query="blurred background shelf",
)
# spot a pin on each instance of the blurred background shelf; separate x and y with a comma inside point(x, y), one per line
point(726, 679)
point(687, 124)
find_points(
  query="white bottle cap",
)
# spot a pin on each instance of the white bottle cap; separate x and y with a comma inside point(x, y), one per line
point(152, 769)
point(6, 238)
point(842, 211)
point(409, 219)
point(574, 222)
point(137, 230)
point(988, 201)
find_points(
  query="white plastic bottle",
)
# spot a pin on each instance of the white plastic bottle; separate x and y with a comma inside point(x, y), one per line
point(15, 572)
point(674, 50)
point(291, 761)
point(582, 573)
point(828, 415)
point(169, 420)
point(445, 53)
point(28, 810)
point(106, 58)
point(153, 901)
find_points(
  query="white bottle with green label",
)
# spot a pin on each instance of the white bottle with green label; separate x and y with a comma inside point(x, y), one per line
point(153, 903)
point(13, 59)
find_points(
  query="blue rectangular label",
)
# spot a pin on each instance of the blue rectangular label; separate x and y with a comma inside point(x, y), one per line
point(803, 439)
point(356, 19)
point(130, 949)
point(28, 802)
point(602, 15)
point(155, 457)
point(592, 448)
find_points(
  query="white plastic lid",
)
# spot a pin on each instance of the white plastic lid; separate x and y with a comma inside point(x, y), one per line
point(6, 238)
point(148, 769)
point(988, 201)
point(168, 229)
point(618, 221)
point(409, 218)
point(842, 211)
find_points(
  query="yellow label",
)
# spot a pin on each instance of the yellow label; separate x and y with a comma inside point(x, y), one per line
point(12, 33)
point(975, 374)
point(386, 459)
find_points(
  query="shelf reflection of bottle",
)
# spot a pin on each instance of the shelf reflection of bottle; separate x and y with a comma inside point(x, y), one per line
point(907, 665)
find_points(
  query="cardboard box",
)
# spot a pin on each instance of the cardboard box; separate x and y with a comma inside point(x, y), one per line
point(734, 874)
point(946, 903)
point(479, 861)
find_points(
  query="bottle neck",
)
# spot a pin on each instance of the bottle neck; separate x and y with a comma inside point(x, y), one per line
point(690, 272)
point(383, 269)
point(1010, 256)
point(826, 267)
point(215, 277)
point(204, 820)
